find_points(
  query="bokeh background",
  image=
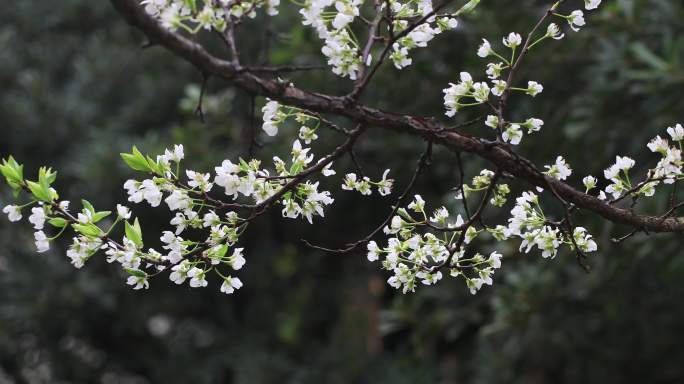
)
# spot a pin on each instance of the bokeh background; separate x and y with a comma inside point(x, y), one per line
point(77, 89)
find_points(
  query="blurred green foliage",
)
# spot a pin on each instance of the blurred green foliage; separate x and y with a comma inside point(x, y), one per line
point(77, 90)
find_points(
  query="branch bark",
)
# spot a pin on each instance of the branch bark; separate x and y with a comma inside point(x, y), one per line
point(433, 131)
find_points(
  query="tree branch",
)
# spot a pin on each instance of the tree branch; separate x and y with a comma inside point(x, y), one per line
point(433, 131)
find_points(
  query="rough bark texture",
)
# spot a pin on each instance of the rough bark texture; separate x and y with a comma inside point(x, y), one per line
point(499, 155)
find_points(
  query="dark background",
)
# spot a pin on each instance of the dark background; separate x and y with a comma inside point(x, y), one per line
point(76, 89)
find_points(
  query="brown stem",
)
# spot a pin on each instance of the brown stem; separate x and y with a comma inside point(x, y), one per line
point(431, 130)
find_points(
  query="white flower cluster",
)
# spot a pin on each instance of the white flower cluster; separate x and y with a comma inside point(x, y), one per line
point(181, 197)
point(528, 222)
point(274, 114)
point(667, 171)
point(420, 36)
point(419, 245)
point(189, 197)
point(467, 93)
point(477, 93)
point(618, 174)
point(481, 183)
point(413, 257)
point(341, 49)
point(332, 20)
point(241, 180)
point(364, 185)
point(669, 168)
point(193, 16)
point(272, 117)
point(560, 170)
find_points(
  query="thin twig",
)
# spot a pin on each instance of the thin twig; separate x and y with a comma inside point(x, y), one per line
point(423, 162)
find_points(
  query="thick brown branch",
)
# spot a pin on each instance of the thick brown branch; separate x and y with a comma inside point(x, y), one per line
point(371, 117)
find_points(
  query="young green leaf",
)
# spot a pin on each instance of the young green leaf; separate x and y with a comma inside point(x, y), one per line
point(133, 233)
point(87, 206)
point(136, 272)
point(136, 160)
point(155, 167)
point(12, 171)
point(38, 191)
point(90, 230)
point(100, 215)
point(467, 8)
point(58, 222)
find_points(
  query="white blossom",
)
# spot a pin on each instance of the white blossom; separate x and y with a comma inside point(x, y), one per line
point(307, 134)
point(385, 185)
point(81, 249)
point(372, 251)
point(576, 20)
point(418, 204)
point(178, 200)
point(175, 155)
point(180, 272)
point(492, 121)
point(584, 240)
point(591, 4)
point(533, 125)
point(494, 70)
point(199, 180)
point(560, 170)
point(328, 171)
point(42, 242)
point(481, 92)
point(197, 277)
point(554, 32)
point(499, 87)
point(138, 282)
point(495, 260)
point(237, 260)
point(676, 132)
point(271, 117)
point(512, 134)
point(589, 183)
point(37, 217)
point(123, 212)
point(512, 40)
point(534, 88)
point(230, 284)
point(13, 212)
point(485, 49)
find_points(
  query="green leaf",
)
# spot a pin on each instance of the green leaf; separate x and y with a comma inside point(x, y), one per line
point(136, 272)
point(467, 8)
point(47, 175)
point(11, 170)
point(296, 168)
point(57, 222)
point(136, 160)
point(53, 195)
point(133, 233)
point(87, 206)
point(221, 251)
point(155, 167)
point(90, 230)
point(244, 167)
point(100, 215)
point(38, 191)
point(42, 189)
point(404, 214)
